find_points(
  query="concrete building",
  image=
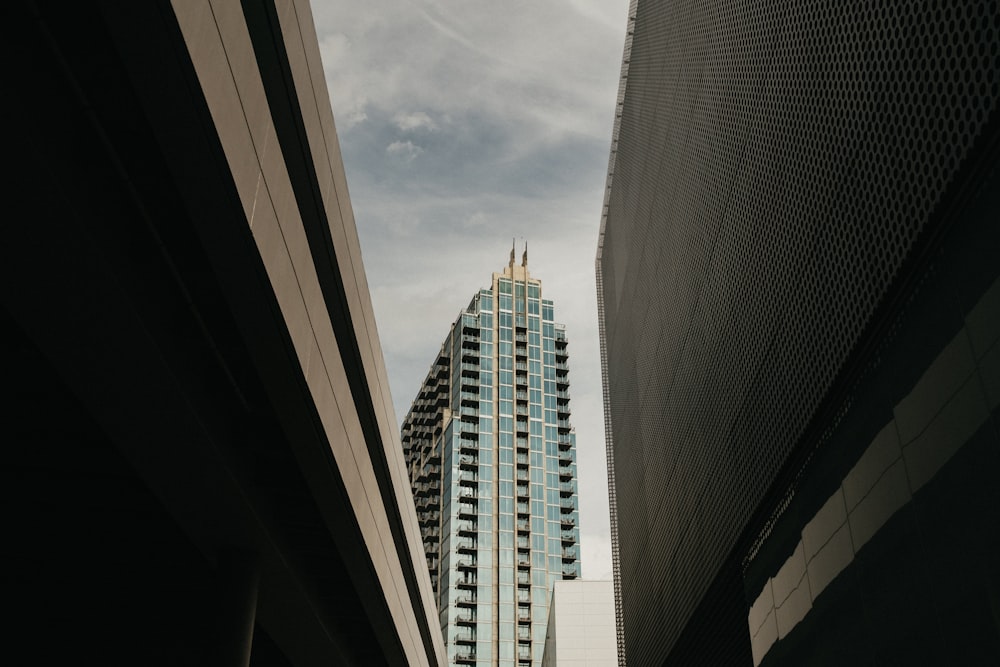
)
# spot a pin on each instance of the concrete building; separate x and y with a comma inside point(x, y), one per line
point(491, 455)
point(797, 274)
point(582, 630)
point(201, 462)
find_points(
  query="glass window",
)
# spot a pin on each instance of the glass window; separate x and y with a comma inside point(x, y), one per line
point(504, 286)
point(533, 291)
point(486, 300)
point(532, 306)
point(486, 320)
point(519, 291)
point(504, 303)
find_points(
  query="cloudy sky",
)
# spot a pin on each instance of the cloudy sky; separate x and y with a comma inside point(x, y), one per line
point(464, 125)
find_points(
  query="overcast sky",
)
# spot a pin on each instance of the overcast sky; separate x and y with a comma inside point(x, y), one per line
point(463, 125)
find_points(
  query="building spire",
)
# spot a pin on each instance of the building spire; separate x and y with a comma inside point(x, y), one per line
point(513, 241)
point(524, 257)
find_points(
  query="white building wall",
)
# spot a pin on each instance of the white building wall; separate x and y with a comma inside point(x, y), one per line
point(581, 630)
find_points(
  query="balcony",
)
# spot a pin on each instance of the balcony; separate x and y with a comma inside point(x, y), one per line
point(467, 528)
point(567, 536)
point(565, 441)
point(523, 561)
point(524, 614)
point(467, 583)
point(522, 491)
point(468, 461)
point(466, 545)
point(567, 521)
point(468, 478)
point(523, 578)
point(566, 489)
point(469, 398)
point(466, 655)
point(564, 425)
point(465, 617)
point(523, 509)
point(465, 564)
point(570, 554)
point(467, 599)
point(523, 596)
point(524, 524)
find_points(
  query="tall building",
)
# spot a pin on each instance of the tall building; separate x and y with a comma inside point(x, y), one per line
point(491, 455)
point(798, 280)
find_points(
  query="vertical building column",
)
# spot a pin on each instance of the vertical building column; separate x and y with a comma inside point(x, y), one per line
point(238, 579)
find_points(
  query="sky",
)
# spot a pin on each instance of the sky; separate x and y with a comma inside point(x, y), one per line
point(464, 126)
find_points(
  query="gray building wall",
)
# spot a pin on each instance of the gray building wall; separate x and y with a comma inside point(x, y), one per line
point(780, 173)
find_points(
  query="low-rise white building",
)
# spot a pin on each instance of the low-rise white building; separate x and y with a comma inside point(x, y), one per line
point(581, 630)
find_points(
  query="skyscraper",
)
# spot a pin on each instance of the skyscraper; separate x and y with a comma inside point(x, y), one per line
point(800, 301)
point(491, 455)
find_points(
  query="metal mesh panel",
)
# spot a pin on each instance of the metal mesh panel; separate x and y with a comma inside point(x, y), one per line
point(775, 164)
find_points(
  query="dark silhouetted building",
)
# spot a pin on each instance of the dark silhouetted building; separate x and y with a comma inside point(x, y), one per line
point(798, 284)
point(201, 463)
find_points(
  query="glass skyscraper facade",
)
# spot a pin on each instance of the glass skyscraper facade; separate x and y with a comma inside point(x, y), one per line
point(491, 455)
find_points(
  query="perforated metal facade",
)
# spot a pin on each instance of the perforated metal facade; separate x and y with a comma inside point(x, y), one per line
point(778, 170)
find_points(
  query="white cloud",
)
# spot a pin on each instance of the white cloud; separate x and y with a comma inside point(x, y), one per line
point(404, 151)
point(416, 120)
